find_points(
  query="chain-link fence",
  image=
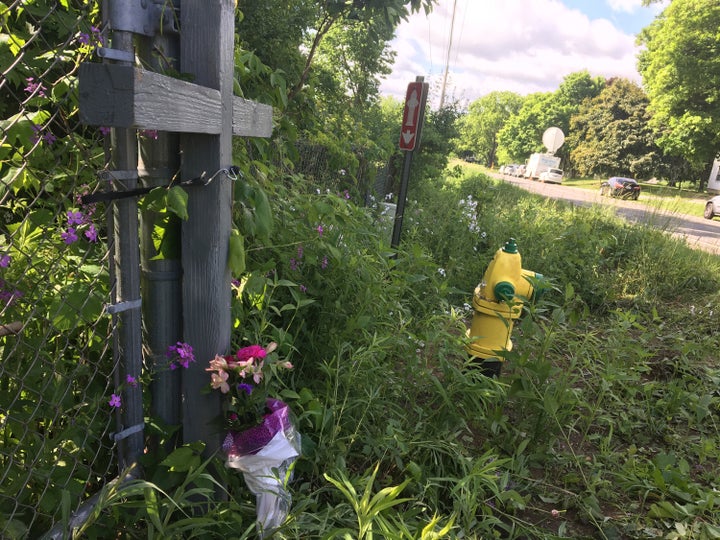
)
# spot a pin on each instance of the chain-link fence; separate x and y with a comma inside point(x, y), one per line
point(349, 173)
point(57, 370)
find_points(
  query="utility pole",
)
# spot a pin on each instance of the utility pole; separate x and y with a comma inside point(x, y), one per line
point(447, 57)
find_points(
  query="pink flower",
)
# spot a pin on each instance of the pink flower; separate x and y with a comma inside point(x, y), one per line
point(258, 374)
point(251, 352)
point(219, 363)
point(286, 365)
point(115, 401)
point(555, 513)
point(219, 380)
point(320, 230)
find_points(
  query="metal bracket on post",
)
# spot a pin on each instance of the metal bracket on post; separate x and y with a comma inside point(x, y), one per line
point(145, 17)
point(114, 54)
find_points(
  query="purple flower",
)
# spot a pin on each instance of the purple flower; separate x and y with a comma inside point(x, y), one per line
point(132, 381)
point(148, 133)
point(49, 138)
point(91, 234)
point(115, 401)
point(293, 264)
point(300, 252)
point(320, 230)
point(75, 218)
point(85, 39)
point(69, 236)
point(37, 130)
point(303, 288)
point(324, 263)
point(8, 296)
point(105, 130)
point(5, 261)
point(34, 87)
point(244, 387)
point(183, 354)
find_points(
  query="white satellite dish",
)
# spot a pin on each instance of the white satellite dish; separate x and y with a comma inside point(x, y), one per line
point(553, 138)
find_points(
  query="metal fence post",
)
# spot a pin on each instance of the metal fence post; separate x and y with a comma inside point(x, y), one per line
point(127, 287)
point(161, 275)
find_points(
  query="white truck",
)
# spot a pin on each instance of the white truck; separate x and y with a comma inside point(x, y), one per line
point(539, 163)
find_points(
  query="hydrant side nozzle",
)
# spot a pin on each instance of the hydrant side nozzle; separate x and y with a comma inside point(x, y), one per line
point(504, 291)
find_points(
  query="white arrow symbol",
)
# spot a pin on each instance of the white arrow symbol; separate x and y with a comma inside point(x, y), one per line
point(412, 104)
point(408, 136)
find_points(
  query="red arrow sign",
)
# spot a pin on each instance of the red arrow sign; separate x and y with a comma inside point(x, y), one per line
point(411, 116)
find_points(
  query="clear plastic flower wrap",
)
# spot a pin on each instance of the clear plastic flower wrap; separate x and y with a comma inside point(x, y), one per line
point(264, 454)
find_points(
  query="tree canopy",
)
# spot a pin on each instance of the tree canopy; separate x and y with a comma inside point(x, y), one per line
point(522, 134)
point(486, 116)
point(680, 67)
point(610, 134)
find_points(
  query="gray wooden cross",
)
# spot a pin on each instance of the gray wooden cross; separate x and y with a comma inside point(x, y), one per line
point(206, 115)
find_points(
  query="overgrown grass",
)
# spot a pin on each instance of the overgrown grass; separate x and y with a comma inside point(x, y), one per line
point(603, 424)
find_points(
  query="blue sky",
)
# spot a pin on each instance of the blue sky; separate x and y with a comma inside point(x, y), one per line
point(524, 46)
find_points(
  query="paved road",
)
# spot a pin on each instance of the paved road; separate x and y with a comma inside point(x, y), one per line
point(699, 233)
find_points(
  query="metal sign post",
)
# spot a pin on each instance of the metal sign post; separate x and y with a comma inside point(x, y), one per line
point(413, 117)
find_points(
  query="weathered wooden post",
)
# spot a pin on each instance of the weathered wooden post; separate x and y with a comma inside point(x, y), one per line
point(206, 115)
point(206, 52)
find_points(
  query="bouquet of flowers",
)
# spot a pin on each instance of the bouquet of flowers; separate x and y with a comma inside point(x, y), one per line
point(261, 440)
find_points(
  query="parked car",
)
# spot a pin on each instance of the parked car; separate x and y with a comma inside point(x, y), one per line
point(519, 170)
point(553, 176)
point(509, 170)
point(617, 186)
point(712, 208)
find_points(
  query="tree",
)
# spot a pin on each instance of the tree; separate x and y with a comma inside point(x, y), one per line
point(610, 134)
point(680, 67)
point(522, 135)
point(319, 64)
point(286, 35)
point(480, 126)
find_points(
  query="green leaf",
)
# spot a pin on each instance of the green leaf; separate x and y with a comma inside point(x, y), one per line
point(182, 459)
point(177, 200)
point(236, 253)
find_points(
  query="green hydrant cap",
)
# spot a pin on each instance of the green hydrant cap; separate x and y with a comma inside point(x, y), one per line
point(510, 246)
point(504, 290)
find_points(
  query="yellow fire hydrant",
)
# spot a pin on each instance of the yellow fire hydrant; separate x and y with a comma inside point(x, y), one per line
point(497, 302)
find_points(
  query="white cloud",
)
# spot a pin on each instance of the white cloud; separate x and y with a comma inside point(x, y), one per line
point(517, 45)
point(626, 6)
